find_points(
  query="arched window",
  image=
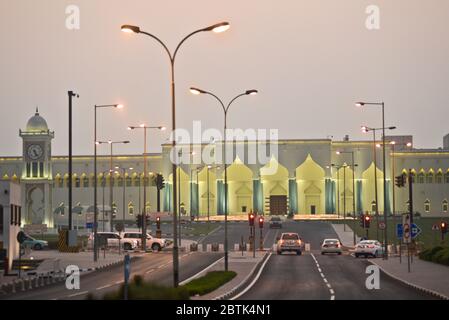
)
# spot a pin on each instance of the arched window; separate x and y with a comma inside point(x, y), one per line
point(119, 180)
point(427, 206)
point(446, 177)
point(147, 207)
point(429, 177)
point(373, 206)
point(407, 204)
point(85, 181)
point(130, 209)
point(76, 181)
point(445, 206)
point(421, 177)
point(129, 181)
point(439, 177)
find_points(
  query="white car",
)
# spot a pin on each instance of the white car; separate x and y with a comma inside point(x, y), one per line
point(331, 246)
point(368, 248)
point(290, 242)
point(152, 243)
point(113, 240)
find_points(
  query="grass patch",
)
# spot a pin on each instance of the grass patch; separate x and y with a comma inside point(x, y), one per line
point(210, 282)
point(138, 289)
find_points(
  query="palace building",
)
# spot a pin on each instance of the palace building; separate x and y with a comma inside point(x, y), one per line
point(308, 177)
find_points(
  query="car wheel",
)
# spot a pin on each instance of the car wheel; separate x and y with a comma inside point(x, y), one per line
point(127, 247)
point(279, 252)
point(376, 254)
point(156, 247)
point(37, 246)
point(322, 253)
point(356, 255)
point(339, 253)
point(299, 253)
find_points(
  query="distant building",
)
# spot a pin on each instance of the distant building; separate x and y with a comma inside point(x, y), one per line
point(305, 181)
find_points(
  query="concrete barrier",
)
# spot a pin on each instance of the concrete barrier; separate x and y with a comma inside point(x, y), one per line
point(307, 247)
point(221, 247)
point(208, 247)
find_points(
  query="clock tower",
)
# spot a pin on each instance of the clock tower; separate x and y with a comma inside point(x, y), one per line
point(37, 177)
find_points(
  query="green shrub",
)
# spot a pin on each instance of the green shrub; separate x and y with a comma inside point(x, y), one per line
point(442, 256)
point(209, 282)
point(139, 290)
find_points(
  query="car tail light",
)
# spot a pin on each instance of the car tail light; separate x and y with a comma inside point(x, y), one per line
point(371, 246)
point(281, 242)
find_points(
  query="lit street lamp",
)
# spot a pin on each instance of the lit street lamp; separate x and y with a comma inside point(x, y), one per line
point(111, 191)
point(144, 212)
point(217, 28)
point(116, 106)
point(197, 91)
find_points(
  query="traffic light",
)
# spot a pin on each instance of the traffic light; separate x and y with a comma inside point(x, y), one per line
point(251, 219)
point(362, 220)
point(114, 210)
point(443, 227)
point(261, 222)
point(400, 181)
point(160, 182)
point(367, 222)
point(158, 222)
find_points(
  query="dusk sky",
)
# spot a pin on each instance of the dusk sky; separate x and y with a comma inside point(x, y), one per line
point(310, 60)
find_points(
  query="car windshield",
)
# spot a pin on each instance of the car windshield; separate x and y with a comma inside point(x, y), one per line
point(331, 241)
point(290, 236)
point(275, 219)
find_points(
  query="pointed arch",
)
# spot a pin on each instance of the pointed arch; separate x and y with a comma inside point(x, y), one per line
point(310, 176)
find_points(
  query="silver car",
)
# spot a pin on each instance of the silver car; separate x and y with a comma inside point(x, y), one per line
point(331, 246)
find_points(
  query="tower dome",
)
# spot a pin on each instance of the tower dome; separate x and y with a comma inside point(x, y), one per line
point(36, 123)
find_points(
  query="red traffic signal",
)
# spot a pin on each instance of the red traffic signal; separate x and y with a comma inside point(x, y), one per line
point(261, 220)
point(251, 219)
point(367, 222)
point(443, 227)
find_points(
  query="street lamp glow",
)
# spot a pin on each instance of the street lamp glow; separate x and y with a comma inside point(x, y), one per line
point(120, 106)
point(142, 125)
point(252, 92)
point(338, 152)
point(359, 104)
point(378, 145)
point(130, 128)
point(219, 27)
point(409, 144)
point(196, 91)
point(110, 141)
point(364, 129)
point(393, 142)
point(162, 128)
point(130, 29)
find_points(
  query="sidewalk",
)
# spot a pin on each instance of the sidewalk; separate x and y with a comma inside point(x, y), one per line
point(242, 265)
point(426, 276)
point(346, 237)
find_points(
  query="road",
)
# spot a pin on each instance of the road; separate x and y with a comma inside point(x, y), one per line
point(155, 267)
point(316, 277)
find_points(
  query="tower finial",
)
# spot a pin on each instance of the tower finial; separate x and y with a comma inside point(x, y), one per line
point(37, 111)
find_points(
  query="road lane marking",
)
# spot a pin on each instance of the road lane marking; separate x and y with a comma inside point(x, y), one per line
point(119, 282)
point(78, 294)
point(104, 287)
point(204, 270)
point(149, 271)
point(331, 291)
point(254, 280)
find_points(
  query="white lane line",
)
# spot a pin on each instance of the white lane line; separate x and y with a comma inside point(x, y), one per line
point(331, 291)
point(104, 287)
point(204, 270)
point(149, 271)
point(78, 294)
point(119, 282)
point(254, 280)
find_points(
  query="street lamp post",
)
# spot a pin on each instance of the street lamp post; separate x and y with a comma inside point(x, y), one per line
point(111, 190)
point(338, 190)
point(366, 129)
point(71, 96)
point(217, 28)
point(197, 91)
point(144, 211)
point(353, 165)
point(381, 104)
point(116, 106)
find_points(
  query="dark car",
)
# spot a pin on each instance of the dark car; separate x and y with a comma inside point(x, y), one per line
point(275, 222)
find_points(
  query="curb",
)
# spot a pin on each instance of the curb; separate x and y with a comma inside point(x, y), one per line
point(245, 281)
point(18, 285)
point(414, 286)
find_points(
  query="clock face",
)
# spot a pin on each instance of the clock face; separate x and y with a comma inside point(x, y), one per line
point(35, 151)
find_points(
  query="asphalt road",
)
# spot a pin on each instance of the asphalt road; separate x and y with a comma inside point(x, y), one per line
point(317, 277)
point(156, 267)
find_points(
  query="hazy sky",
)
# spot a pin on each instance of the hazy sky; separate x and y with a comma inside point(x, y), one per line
point(310, 59)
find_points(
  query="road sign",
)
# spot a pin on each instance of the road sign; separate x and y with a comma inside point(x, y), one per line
point(406, 228)
point(382, 225)
point(415, 231)
point(435, 227)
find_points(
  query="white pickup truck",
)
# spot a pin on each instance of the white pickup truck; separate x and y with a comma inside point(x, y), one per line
point(153, 243)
